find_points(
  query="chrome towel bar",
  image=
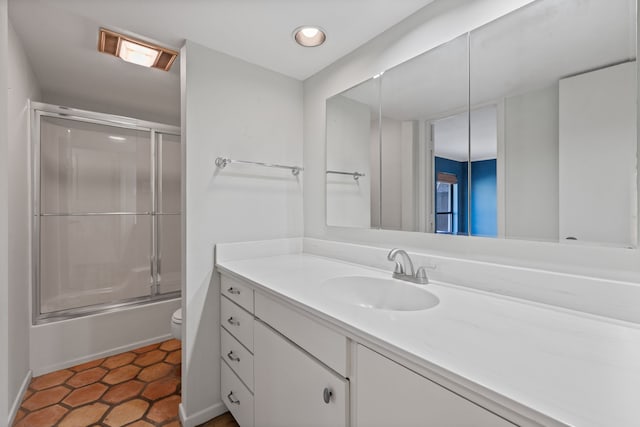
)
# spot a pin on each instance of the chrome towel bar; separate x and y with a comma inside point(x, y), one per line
point(222, 162)
point(356, 175)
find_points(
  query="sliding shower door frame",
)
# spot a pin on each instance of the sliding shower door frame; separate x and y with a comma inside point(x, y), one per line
point(37, 111)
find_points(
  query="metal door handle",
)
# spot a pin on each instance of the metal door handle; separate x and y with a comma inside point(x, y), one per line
point(326, 395)
point(233, 291)
point(231, 356)
point(231, 399)
point(233, 321)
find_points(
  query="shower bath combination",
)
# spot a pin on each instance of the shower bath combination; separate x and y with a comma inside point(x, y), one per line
point(106, 205)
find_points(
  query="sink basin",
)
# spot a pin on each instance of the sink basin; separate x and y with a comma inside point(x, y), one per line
point(379, 293)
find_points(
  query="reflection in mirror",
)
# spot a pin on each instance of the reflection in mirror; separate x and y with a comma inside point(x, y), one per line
point(353, 144)
point(483, 151)
point(450, 162)
point(454, 172)
point(560, 78)
point(425, 144)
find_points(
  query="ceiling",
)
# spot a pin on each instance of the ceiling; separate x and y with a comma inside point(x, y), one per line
point(258, 31)
point(60, 39)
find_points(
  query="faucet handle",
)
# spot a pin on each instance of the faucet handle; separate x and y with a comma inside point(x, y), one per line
point(421, 276)
point(399, 268)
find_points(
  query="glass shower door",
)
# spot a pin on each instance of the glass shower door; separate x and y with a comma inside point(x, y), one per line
point(95, 214)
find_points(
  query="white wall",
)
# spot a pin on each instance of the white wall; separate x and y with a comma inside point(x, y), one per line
point(531, 165)
point(348, 145)
point(4, 220)
point(235, 109)
point(22, 87)
point(431, 26)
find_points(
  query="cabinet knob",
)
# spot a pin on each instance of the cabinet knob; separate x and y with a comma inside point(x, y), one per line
point(233, 321)
point(233, 291)
point(326, 395)
point(232, 356)
point(231, 399)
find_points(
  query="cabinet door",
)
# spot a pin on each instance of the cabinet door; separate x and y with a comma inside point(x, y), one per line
point(290, 385)
point(388, 394)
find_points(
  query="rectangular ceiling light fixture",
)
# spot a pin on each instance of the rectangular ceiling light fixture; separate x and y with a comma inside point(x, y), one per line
point(136, 51)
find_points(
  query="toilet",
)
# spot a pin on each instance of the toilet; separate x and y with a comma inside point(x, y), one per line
point(176, 324)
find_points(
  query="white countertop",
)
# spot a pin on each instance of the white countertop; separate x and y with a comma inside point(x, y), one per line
point(580, 370)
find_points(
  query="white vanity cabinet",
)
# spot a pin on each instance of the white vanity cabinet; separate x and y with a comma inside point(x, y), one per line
point(388, 394)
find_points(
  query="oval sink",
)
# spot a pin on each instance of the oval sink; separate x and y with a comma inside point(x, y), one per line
point(378, 293)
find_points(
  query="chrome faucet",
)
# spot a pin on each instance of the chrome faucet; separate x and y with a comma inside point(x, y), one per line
point(400, 271)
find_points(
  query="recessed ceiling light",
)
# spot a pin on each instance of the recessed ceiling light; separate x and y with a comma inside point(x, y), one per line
point(309, 36)
point(136, 51)
point(117, 138)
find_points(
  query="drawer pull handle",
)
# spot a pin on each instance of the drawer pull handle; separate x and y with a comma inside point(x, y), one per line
point(231, 399)
point(233, 291)
point(233, 357)
point(233, 321)
point(326, 395)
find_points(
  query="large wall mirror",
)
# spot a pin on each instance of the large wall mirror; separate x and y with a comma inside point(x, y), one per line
point(525, 128)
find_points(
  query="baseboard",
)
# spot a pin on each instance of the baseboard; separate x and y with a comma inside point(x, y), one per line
point(18, 400)
point(110, 352)
point(203, 416)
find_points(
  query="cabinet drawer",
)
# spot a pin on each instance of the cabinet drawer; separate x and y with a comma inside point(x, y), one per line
point(325, 344)
point(237, 292)
point(237, 322)
point(237, 357)
point(236, 396)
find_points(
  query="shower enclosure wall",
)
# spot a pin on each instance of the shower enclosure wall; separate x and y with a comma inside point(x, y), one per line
point(106, 230)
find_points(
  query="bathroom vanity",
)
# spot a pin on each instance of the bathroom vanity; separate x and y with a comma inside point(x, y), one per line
point(282, 367)
point(296, 350)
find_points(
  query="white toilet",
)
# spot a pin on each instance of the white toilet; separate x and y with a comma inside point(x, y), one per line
point(176, 324)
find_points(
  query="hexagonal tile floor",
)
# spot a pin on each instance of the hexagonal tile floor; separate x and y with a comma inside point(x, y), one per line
point(138, 388)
